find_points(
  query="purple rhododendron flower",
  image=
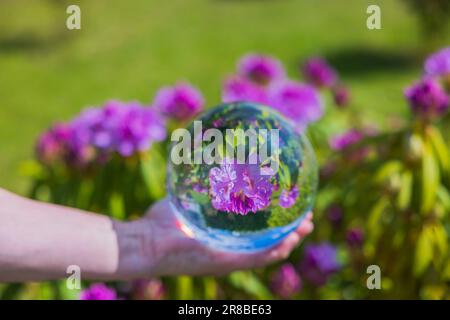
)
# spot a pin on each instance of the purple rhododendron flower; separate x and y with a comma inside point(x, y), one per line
point(98, 291)
point(200, 188)
point(286, 281)
point(98, 126)
point(52, 144)
point(180, 102)
point(64, 142)
point(427, 98)
point(438, 64)
point(319, 263)
point(240, 89)
point(317, 72)
point(354, 237)
point(260, 69)
point(296, 101)
point(239, 188)
point(139, 128)
point(335, 214)
point(120, 127)
point(341, 141)
point(288, 197)
point(341, 96)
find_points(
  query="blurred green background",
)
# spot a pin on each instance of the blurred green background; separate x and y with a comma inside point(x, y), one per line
point(127, 49)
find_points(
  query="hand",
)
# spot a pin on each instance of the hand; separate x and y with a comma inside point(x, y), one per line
point(165, 249)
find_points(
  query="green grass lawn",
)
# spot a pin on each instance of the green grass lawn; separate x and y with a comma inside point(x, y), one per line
point(127, 49)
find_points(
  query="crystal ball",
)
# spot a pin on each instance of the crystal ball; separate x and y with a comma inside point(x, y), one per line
point(241, 177)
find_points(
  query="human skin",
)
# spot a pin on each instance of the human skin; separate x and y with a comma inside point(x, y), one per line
point(39, 241)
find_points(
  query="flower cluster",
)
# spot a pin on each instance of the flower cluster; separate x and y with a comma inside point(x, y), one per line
point(343, 143)
point(117, 127)
point(286, 281)
point(428, 98)
point(289, 197)
point(241, 89)
point(354, 237)
point(98, 291)
point(180, 102)
point(321, 75)
point(319, 263)
point(346, 139)
point(260, 69)
point(239, 188)
point(262, 79)
point(318, 72)
point(438, 64)
point(298, 102)
point(244, 188)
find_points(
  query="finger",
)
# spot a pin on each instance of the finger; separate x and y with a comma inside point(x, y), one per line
point(305, 228)
point(283, 250)
point(279, 252)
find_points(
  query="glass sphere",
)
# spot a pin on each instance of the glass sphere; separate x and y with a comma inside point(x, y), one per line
point(241, 177)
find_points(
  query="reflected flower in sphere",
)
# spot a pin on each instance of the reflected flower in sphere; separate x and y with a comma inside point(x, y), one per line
point(427, 98)
point(341, 141)
point(317, 72)
point(319, 263)
point(298, 102)
point(239, 188)
point(288, 197)
point(438, 64)
point(98, 291)
point(181, 102)
point(260, 69)
point(286, 281)
point(237, 89)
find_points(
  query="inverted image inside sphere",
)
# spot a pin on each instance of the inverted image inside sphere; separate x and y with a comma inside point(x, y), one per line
point(241, 177)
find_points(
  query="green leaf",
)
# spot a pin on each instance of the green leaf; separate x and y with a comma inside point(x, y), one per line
point(185, 288)
point(440, 147)
point(11, 291)
point(247, 281)
point(404, 196)
point(387, 170)
point(116, 206)
point(31, 169)
point(424, 251)
point(201, 198)
point(446, 273)
point(154, 171)
point(430, 179)
point(210, 287)
point(440, 239)
point(444, 197)
point(66, 293)
point(373, 222)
